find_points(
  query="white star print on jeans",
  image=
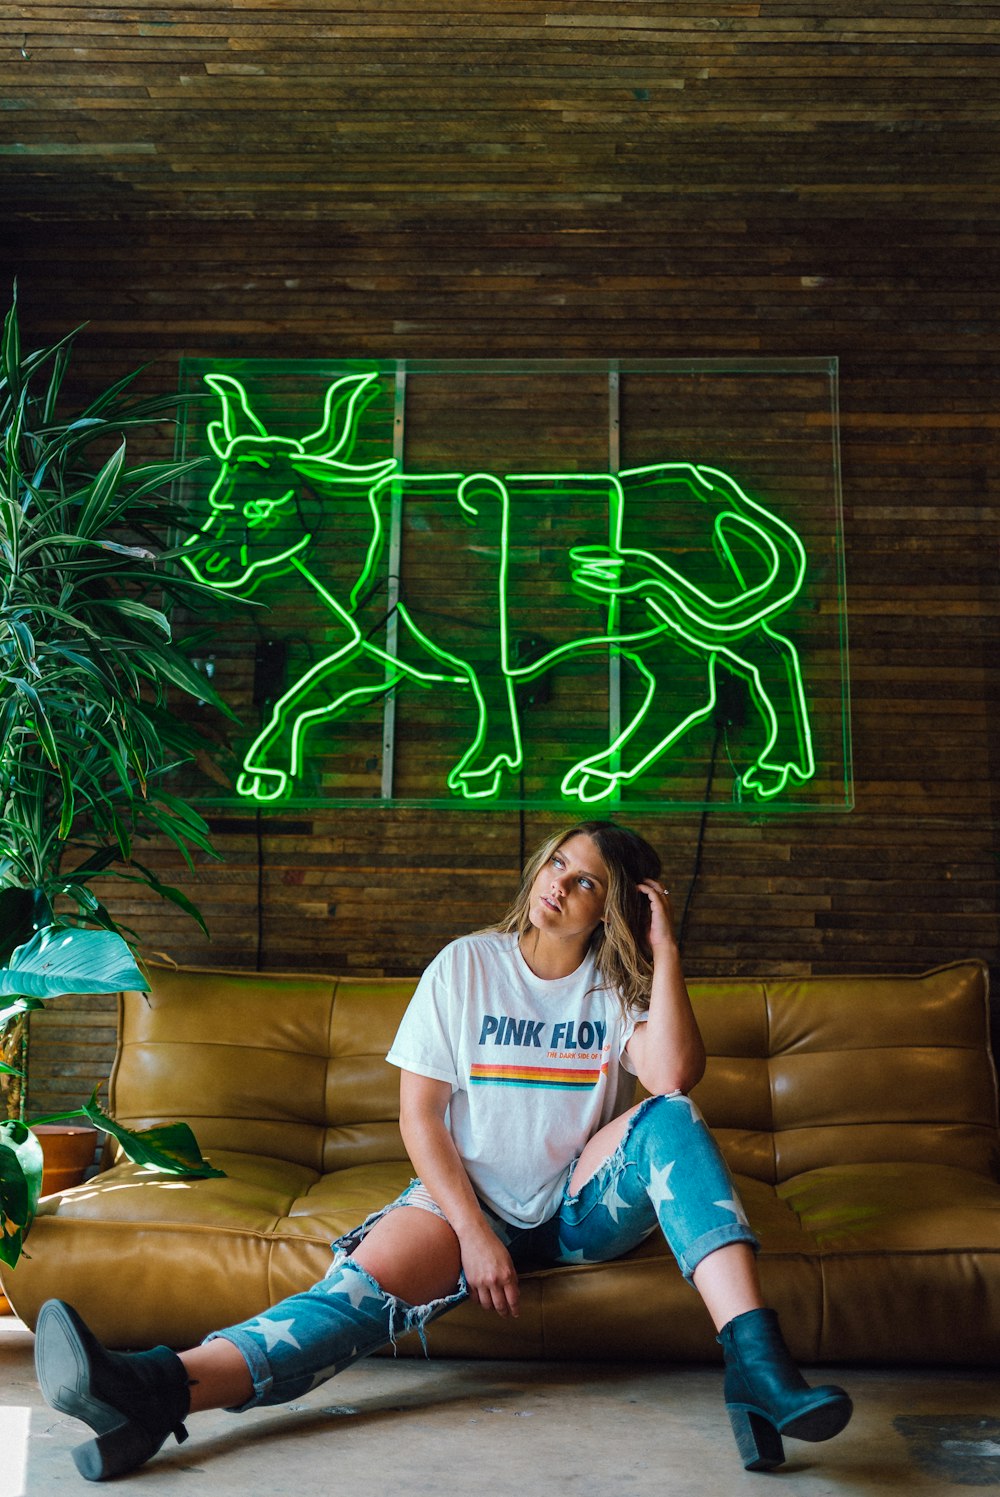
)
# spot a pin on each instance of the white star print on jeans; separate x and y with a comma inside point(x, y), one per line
point(343, 1317)
point(274, 1332)
point(667, 1173)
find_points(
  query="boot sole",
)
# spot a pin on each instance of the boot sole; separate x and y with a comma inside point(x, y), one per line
point(821, 1422)
point(759, 1439)
point(64, 1370)
point(64, 1375)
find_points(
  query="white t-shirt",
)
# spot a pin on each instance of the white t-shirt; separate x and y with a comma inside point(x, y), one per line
point(533, 1066)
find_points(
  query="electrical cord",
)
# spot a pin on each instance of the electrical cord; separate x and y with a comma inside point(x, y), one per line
point(682, 928)
point(260, 887)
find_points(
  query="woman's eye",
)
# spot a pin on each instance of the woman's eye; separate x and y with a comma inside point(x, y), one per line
point(586, 884)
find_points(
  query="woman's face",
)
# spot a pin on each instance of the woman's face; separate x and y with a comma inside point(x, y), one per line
point(569, 892)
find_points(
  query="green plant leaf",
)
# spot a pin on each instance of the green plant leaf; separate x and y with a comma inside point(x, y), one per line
point(13, 862)
point(179, 835)
point(10, 354)
point(123, 836)
point(32, 362)
point(139, 610)
point(91, 576)
point(59, 363)
point(169, 1148)
point(62, 959)
point(138, 553)
point(81, 663)
point(177, 668)
point(85, 898)
point(14, 1010)
point(85, 422)
point(68, 802)
point(17, 1138)
point(74, 621)
point(22, 911)
point(102, 917)
point(41, 724)
point(24, 640)
point(102, 493)
point(95, 864)
point(20, 1187)
point(195, 825)
point(151, 477)
point(168, 892)
point(109, 397)
point(68, 538)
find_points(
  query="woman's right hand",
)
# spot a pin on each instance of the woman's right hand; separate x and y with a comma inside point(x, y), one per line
point(489, 1270)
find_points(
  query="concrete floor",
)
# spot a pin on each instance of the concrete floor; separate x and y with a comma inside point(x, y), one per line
point(513, 1429)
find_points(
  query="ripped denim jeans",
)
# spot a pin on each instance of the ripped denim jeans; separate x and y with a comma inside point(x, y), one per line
point(667, 1173)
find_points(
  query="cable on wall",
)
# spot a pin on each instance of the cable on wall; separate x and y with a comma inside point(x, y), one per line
point(730, 712)
point(682, 928)
point(259, 832)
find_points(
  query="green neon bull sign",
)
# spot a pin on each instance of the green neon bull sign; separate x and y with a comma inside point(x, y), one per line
point(650, 603)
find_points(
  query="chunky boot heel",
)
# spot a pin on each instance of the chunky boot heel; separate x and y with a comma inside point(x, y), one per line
point(757, 1441)
point(118, 1451)
point(132, 1401)
point(767, 1396)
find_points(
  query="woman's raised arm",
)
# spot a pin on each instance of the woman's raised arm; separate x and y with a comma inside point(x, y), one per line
point(667, 1050)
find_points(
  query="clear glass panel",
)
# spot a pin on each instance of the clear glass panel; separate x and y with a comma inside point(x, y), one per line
point(577, 585)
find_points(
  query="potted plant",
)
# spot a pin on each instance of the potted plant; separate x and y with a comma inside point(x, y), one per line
point(89, 577)
point(60, 959)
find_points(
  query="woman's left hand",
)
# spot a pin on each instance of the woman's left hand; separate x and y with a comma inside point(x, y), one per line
point(661, 914)
point(667, 1050)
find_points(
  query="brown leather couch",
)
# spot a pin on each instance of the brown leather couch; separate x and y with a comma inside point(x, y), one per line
point(858, 1113)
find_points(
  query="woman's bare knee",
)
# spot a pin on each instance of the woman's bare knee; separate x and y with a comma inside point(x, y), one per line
point(603, 1144)
point(412, 1254)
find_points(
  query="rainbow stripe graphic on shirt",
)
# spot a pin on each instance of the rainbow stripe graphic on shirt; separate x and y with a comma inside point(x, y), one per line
point(552, 1078)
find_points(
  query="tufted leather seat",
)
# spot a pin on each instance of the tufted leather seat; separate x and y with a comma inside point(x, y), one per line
point(859, 1115)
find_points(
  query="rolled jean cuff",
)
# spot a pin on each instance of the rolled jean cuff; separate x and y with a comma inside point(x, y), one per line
point(710, 1242)
point(257, 1363)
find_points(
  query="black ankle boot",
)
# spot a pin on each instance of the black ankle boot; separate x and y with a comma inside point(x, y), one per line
point(766, 1395)
point(132, 1401)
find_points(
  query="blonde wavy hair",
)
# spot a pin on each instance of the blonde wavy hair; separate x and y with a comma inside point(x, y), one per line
point(619, 943)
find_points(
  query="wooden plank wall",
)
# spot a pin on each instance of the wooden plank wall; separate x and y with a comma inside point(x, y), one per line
point(626, 178)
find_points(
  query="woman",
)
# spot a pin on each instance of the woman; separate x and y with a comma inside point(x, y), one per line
point(510, 1057)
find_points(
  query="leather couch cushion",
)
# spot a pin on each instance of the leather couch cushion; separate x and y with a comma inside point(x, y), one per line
point(859, 1115)
point(809, 1071)
point(285, 1066)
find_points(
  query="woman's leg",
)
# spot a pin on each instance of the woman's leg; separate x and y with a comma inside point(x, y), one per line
point(728, 1283)
point(411, 1254)
point(726, 1279)
point(404, 1269)
point(659, 1163)
point(218, 1376)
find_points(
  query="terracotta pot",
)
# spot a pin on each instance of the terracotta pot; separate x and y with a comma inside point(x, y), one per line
point(67, 1153)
